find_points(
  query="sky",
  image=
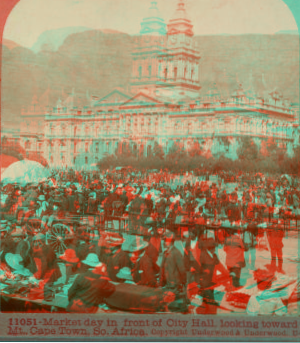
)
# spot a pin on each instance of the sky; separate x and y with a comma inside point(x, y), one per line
point(30, 18)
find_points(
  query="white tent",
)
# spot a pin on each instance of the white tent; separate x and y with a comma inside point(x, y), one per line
point(24, 172)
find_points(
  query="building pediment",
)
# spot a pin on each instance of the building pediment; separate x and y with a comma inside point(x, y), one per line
point(114, 98)
point(141, 100)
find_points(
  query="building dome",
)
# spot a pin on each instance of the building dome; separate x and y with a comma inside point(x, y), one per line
point(180, 21)
point(153, 23)
point(180, 13)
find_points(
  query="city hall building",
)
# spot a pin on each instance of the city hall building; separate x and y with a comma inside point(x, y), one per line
point(163, 106)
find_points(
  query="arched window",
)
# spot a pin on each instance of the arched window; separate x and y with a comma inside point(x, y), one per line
point(190, 128)
point(185, 72)
point(192, 74)
point(140, 72)
point(86, 147)
point(150, 70)
point(149, 150)
point(27, 145)
point(175, 73)
point(166, 73)
point(97, 148)
point(86, 160)
point(75, 131)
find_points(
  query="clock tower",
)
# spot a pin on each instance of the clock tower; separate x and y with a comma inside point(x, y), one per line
point(148, 46)
point(166, 60)
point(179, 66)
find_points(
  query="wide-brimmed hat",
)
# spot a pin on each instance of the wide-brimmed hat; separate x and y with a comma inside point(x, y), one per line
point(42, 197)
point(201, 202)
point(150, 221)
point(169, 234)
point(39, 237)
point(134, 243)
point(92, 260)
point(114, 241)
point(125, 274)
point(69, 256)
point(17, 232)
point(160, 230)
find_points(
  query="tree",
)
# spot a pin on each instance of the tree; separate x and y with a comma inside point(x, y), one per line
point(158, 151)
point(195, 149)
point(247, 150)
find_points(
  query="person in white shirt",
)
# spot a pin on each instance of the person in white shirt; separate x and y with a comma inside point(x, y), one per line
point(265, 302)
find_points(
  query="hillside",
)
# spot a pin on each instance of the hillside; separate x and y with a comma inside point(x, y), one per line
point(97, 61)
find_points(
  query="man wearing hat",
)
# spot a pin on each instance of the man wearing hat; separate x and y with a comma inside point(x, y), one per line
point(90, 288)
point(172, 271)
point(143, 272)
point(235, 259)
point(118, 258)
point(68, 264)
point(265, 302)
point(44, 258)
point(275, 234)
point(209, 264)
point(192, 254)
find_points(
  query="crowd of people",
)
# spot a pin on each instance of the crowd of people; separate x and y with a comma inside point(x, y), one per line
point(172, 241)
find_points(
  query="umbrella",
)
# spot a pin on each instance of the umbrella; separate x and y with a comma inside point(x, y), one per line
point(7, 160)
point(24, 172)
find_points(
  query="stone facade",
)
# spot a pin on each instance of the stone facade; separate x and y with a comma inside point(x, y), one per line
point(164, 106)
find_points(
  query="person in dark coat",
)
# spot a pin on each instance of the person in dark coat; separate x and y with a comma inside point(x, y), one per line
point(235, 259)
point(71, 203)
point(124, 199)
point(143, 272)
point(44, 259)
point(209, 262)
point(118, 258)
point(275, 236)
point(172, 271)
point(90, 288)
point(192, 254)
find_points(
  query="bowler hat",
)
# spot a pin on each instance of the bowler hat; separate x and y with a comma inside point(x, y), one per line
point(69, 256)
point(92, 260)
point(134, 243)
point(125, 274)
